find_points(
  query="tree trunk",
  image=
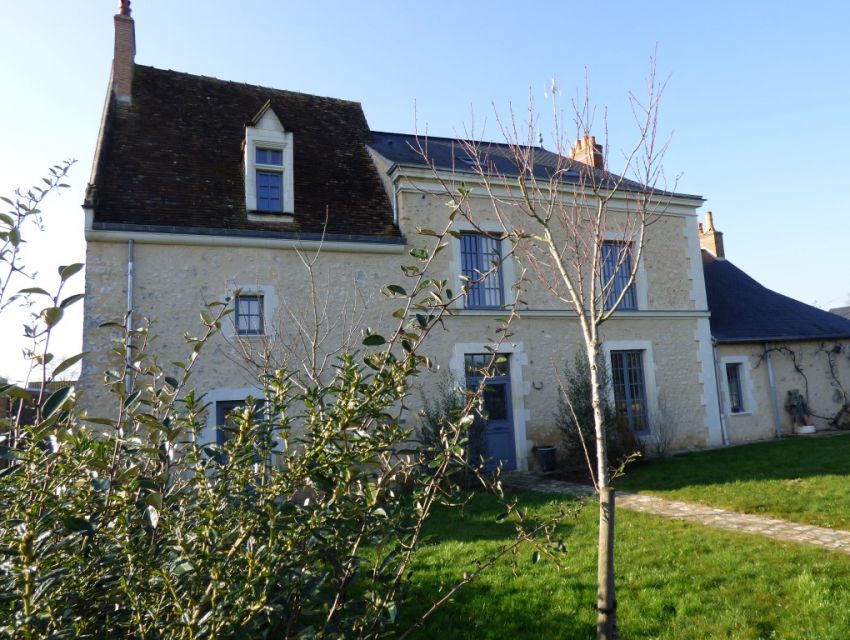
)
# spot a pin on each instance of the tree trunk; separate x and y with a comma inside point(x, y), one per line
point(606, 602)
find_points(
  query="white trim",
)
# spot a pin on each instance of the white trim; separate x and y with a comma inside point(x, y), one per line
point(269, 134)
point(708, 378)
point(270, 304)
point(203, 240)
point(566, 313)
point(648, 371)
point(519, 389)
point(224, 394)
point(746, 380)
point(508, 266)
point(423, 180)
point(695, 273)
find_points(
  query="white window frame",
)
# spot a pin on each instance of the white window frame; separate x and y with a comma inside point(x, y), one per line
point(746, 381)
point(268, 133)
point(270, 305)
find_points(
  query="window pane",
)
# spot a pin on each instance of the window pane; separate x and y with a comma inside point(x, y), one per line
point(249, 315)
point(629, 389)
point(269, 191)
point(479, 256)
point(475, 363)
point(269, 156)
point(616, 268)
point(733, 377)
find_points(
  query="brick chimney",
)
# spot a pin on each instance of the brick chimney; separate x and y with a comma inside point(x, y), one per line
point(710, 238)
point(123, 60)
point(588, 152)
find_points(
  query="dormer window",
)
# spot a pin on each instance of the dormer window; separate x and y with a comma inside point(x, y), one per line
point(269, 179)
point(268, 167)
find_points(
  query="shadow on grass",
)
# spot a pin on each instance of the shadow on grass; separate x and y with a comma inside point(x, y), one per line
point(776, 460)
point(516, 598)
point(478, 520)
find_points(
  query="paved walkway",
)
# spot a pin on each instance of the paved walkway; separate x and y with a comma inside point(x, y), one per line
point(833, 539)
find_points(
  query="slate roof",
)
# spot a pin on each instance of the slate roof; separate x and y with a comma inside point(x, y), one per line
point(449, 154)
point(173, 161)
point(742, 310)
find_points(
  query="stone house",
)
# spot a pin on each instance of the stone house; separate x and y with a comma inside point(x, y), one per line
point(772, 352)
point(290, 205)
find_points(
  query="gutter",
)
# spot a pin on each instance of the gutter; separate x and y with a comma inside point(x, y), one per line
point(774, 401)
point(205, 237)
point(724, 433)
point(130, 304)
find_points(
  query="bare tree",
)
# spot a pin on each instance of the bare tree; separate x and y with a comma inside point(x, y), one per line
point(581, 230)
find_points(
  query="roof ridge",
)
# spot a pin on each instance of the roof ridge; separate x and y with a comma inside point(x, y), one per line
point(456, 139)
point(244, 84)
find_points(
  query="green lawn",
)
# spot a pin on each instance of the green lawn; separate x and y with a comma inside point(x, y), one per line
point(675, 580)
point(801, 479)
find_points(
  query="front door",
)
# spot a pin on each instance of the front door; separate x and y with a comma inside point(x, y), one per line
point(496, 429)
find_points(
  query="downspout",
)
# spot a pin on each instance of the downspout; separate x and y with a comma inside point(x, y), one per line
point(395, 202)
point(130, 304)
point(774, 402)
point(723, 432)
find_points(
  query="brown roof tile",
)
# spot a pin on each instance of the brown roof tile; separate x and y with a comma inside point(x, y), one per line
point(174, 158)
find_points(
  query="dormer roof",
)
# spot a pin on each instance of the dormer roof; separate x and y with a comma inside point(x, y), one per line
point(174, 159)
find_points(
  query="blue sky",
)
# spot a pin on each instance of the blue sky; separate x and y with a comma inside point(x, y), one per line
point(756, 101)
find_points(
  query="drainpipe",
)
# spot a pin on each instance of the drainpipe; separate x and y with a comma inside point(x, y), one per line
point(130, 304)
point(724, 434)
point(774, 402)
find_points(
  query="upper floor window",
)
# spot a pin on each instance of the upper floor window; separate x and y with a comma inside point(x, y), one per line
point(269, 179)
point(249, 315)
point(268, 166)
point(481, 259)
point(616, 269)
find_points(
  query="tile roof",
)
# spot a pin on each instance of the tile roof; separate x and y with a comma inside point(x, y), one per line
point(742, 310)
point(173, 159)
point(449, 154)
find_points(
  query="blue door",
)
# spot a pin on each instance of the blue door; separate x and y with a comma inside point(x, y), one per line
point(496, 425)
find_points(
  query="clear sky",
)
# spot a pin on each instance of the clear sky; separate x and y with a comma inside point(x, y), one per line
point(757, 101)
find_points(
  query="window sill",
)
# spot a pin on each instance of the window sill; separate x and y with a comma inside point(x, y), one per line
point(740, 413)
point(270, 216)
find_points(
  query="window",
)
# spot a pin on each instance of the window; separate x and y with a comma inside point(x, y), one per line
point(736, 396)
point(630, 390)
point(268, 167)
point(269, 163)
point(479, 255)
point(249, 315)
point(616, 268)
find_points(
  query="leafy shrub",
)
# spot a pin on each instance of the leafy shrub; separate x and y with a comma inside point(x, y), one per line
point(301, 524)
point(439, 417)
point(575, 419)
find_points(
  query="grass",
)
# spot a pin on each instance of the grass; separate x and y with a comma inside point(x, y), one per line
point(675, 580)
point(800, 479)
